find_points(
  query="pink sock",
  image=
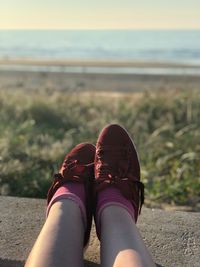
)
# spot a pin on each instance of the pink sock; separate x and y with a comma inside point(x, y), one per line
point(112, 196)
point(73, 191)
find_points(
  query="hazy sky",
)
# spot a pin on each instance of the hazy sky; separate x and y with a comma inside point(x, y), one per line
point(99, 14)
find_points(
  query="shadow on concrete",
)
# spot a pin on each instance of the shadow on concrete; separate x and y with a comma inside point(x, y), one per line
point(11, 263)
point(90, 264)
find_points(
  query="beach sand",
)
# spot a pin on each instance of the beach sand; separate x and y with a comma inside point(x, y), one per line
point(93, 82)
point(94, 63)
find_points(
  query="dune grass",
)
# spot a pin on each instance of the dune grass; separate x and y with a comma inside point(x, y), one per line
point(38, 128)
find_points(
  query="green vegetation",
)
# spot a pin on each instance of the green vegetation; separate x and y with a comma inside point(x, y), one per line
point(38, 128)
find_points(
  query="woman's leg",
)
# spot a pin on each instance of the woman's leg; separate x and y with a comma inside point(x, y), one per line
point(60, 242)
point(121, 243)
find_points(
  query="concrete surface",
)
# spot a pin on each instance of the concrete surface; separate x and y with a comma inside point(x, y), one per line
point(172, 237)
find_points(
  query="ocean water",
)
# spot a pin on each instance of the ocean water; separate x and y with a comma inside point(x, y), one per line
point(155, 45)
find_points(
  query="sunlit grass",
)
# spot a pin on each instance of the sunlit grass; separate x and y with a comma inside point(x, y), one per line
point(37, 129)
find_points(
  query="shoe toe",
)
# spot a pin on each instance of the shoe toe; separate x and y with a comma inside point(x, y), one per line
point(113, 134)
point(83, 152)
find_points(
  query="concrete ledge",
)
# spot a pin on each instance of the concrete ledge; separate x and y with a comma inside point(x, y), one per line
point(172, 237)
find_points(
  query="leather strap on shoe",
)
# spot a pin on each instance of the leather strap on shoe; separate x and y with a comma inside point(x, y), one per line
point(74, 172)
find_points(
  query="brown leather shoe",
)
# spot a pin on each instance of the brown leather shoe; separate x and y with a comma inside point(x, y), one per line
point(116, 163)
point(78, 166)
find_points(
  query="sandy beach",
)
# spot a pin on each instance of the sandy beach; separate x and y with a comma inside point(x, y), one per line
point(94, 63)
point(71, 81)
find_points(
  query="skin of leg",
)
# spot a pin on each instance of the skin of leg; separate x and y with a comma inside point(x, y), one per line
point(60, 242)
point(121, 243)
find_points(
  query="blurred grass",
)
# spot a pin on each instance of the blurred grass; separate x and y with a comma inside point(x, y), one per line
point(37, 129)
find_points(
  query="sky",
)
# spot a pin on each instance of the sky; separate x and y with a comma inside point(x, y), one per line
point(100, 14)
